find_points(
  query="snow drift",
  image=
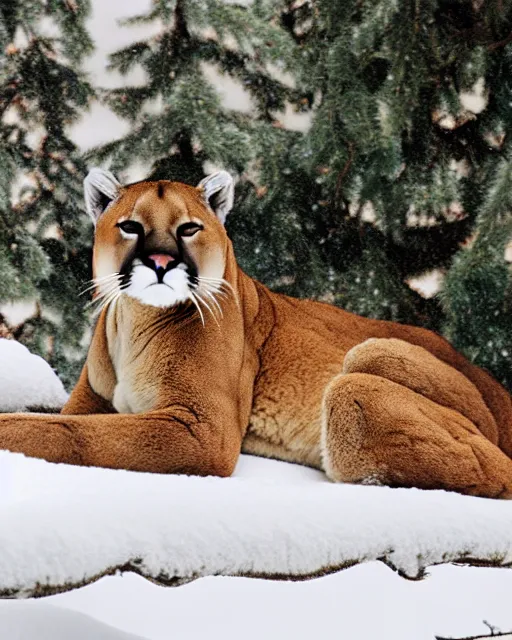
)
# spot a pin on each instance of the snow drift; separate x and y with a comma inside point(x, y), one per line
point(62, 527)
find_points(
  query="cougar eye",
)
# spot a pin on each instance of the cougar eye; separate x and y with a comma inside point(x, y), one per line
point(131, 227)
point(189, 229)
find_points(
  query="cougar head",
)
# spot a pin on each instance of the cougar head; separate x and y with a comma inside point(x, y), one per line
point(163, 243)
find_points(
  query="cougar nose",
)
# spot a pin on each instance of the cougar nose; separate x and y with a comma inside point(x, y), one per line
point(161, 260)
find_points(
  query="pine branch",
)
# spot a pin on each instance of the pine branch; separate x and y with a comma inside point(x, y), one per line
point(501, 43)
point(191, 105)
point(344, 171)
point(293, 18)
point(478, 637)
point(494, 632)
point(44, 88)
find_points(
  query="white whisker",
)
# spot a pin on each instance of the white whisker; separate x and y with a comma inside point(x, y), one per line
point(97, 282)
point(194, 300)
point(217, 282)
point(105, 303)
point(215, 293)
point(111, 298)
point(104, 294)
point(201, 299)
point(220, 284)
point(213, 280)
point(114, 274)
point(214, 290)
point(215, 302)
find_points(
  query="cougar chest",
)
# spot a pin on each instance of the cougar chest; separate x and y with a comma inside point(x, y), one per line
point(134, 390)
point(129, 399)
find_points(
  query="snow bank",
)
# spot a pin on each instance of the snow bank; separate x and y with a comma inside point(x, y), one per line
point(62, 527)
point(27, 381)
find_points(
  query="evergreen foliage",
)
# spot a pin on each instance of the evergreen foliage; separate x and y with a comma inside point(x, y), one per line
point(411, 131)
point(405, 169)
point(44, 236)
point(177, 118)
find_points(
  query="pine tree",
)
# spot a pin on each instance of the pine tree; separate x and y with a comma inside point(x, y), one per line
point(44, 234)
point(410, 144)
point(177, 118)
point(301, 236)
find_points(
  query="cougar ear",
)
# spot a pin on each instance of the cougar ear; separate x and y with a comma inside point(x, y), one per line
point(219, 191)
point(100, 188)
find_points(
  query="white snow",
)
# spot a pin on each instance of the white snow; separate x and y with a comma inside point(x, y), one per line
point(79, 524)
point(366, 602)
point(476, 98)
point(26, 380)
point(41, 621)
point(61, 525)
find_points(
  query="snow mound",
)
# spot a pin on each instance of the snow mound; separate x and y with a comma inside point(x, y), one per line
point(36, 620)
point(27, 381)
point(62, 527)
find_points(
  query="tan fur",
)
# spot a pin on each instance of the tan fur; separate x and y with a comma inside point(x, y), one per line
point(367, 400)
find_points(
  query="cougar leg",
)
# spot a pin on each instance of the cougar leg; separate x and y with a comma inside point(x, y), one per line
point(417, 369)
point(378, 431)
point(84, 400)
point(174, 440)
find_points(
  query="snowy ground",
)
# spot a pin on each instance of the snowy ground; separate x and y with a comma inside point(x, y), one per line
point(62, 523)
point(63, 526)
point(19, 391)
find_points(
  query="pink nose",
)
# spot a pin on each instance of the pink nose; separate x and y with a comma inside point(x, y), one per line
point(161, 259)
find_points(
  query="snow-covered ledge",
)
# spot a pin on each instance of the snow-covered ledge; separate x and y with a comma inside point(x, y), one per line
point(62, 527)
